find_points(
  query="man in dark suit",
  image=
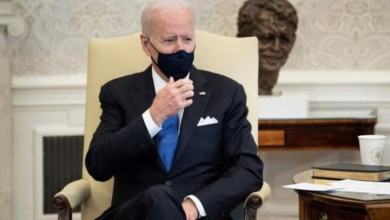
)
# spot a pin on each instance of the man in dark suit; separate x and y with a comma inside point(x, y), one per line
point(205, 167)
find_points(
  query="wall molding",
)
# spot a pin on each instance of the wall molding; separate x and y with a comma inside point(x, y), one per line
point(286, 78)
point(72, 81)
point(39, 91)
point(327, 88)
point(345, 92)
point(329, 92)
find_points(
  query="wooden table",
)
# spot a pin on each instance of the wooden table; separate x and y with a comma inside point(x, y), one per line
point(341, 206)
point(314, 133)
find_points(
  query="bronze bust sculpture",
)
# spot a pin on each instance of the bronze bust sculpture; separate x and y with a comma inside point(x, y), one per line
point(274, 23)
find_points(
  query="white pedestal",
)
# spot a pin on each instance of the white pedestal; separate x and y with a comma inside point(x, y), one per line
point(286, 105)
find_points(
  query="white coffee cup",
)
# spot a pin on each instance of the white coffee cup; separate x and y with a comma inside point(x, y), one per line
point(386, 153)
point(371, 149)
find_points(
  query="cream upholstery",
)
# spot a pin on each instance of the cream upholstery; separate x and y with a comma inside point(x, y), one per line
point(111, 58)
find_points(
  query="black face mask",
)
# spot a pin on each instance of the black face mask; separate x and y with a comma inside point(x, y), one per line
point(176, 64)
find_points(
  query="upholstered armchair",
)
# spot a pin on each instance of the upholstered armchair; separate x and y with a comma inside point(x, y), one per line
point(111, 58)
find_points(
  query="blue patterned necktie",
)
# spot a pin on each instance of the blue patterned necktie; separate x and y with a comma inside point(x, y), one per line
point(167, 140)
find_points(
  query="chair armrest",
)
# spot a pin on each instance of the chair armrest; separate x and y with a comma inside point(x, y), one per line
point(255, 200)
point(70, 197)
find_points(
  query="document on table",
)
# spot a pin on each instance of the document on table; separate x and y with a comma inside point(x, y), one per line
point(346, 186)
point(311, 187)
point(362, 186)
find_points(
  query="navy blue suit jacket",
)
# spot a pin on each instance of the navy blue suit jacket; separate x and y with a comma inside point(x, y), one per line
point(217, 163)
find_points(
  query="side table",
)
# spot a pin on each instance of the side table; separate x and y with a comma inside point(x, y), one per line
point(356, 206)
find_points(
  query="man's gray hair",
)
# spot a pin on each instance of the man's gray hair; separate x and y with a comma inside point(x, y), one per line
point(162, 6)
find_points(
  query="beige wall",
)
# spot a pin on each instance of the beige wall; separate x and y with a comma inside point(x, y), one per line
point(341, 59)
point(332, 34)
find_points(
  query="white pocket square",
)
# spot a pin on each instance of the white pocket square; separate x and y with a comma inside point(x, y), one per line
point(207, 121)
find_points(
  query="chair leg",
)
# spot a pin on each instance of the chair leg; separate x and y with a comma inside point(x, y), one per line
point(253, 203)
point(63, 207)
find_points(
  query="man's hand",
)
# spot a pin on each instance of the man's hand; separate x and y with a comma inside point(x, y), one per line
point(171, 98)
point(190, 209)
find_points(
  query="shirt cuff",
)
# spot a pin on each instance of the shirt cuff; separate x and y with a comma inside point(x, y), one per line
point(153, 129)
point(198, 204)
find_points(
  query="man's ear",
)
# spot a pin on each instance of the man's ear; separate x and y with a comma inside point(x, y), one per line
point(145, 44)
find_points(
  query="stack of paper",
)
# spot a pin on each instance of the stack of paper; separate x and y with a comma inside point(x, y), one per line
point(346, 186)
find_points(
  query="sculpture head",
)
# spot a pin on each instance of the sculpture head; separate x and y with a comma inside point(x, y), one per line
point(274, 23)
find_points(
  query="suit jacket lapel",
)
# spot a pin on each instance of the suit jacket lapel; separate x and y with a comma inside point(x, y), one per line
point(144, 92)
point(192, 113)
point(142, 96)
